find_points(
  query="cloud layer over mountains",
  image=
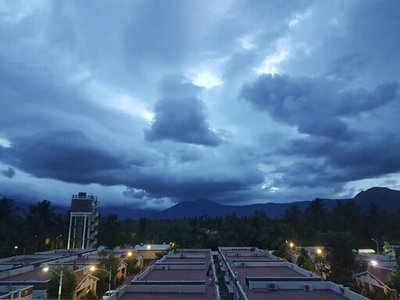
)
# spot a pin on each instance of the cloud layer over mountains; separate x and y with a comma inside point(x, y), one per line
point(155, 102)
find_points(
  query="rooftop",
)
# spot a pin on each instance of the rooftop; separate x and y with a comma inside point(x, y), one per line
point(184, 260)
point(35, 275)
point(176, 274)
point(252, 258)
point(293, 294)
point(267, 271)
point(165, 296)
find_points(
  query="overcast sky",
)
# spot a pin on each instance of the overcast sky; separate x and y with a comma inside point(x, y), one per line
point(149, 103)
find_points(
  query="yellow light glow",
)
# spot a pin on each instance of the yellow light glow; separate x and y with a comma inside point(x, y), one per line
point(148, 247)
point(319, 251)
point(45, 269)
point(129, 254)
point(291, 244)
point(92, 268)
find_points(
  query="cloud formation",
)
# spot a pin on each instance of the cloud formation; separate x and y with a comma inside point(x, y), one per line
point(270, 101)
point(9, 173)
point(180, 116)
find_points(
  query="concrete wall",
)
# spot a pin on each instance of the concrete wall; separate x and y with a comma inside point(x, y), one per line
point(166, 288)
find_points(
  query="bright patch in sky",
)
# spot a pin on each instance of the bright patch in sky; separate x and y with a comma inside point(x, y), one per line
point(298, 18)
point(271, 63)
point(128, 104)
point(206, 79)
point(273, 189)
point(246, 43)
point(5, 143)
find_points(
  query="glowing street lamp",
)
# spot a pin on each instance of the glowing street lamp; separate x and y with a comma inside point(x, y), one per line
point(129, 254)
point(16, 247)
point(148, 247)
point(374, 263)
point(319, 251)
point(291, 245)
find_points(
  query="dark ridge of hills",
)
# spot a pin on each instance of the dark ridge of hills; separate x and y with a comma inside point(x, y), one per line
point(382, 197)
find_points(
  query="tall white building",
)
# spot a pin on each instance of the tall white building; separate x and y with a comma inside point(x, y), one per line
point(83, 222)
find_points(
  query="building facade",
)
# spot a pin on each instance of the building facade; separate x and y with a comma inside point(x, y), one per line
point(84, 222)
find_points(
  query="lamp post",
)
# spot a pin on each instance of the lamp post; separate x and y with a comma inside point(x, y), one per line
point(93, 269)
point(60, 280)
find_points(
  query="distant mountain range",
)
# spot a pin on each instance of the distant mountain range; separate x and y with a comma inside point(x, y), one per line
point(383, 198)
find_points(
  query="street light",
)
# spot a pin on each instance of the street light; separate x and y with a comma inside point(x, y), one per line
point(129, 254)
point(319, 251)
point(46, 269)
point(374, 263)
point(291, 245)
point(148, 247)
point(93, 268)
point(16, 247)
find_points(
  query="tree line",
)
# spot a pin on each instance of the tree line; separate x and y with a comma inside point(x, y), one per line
point(345, 227)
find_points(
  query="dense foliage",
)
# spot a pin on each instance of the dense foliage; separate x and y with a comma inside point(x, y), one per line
point(68, 283)
point(339, 230)
point(37, 229)
point(108, 265)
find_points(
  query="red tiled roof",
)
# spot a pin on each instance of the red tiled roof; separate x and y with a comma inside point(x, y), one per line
point(165, 296)
point(171, 275)
point(278, 271)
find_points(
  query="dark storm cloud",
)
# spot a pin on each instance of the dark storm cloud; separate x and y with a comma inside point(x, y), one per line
point(73, 157)
point(315, 106)
point(9, 173)
point(338, 148)
point(64, 155)
point(366, 157)
point(180, 116)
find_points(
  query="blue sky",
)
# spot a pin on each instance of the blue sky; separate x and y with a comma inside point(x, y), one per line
point(150, 103)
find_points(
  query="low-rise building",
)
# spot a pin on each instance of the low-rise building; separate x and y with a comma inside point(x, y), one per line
point(16, 292)
point(376, 277)
point(272, 278)
point(184, 274)
point(39, 280)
